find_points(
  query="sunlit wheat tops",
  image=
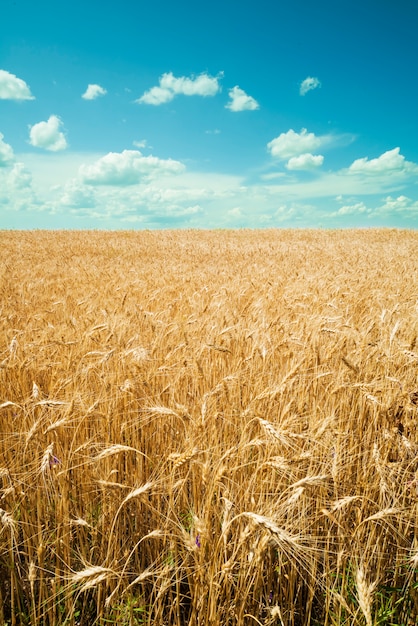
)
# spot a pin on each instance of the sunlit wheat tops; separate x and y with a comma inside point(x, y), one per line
point(209, 428)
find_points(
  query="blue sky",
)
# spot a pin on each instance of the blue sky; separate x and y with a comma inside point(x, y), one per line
point(225, 114)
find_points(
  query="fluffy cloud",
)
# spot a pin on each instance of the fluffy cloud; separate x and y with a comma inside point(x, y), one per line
point(170, 86)
point(398, 209)
point(402, 205)
point(94, 91)
point(156, 96)
point(358, 208)
point(388, 162)
point(202, 85)
point(308, 84)
point(305, 161)
point(240, 101)
point(13, 88)
point(47, 135)
point(103, 191)
point(6, 153)
point(127, 168)
point(291, 144)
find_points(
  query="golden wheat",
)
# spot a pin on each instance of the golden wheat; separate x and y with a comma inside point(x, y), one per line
point(208, 428)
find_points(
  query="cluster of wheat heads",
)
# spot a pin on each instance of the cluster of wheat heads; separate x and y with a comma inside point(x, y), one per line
point(208, 428)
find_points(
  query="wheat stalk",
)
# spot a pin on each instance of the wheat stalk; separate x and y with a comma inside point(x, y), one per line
point(91, 577)
point(365, 594)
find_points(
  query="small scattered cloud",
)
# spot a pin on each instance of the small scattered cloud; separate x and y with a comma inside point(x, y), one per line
point(311, 82)
point(6, 153)
point(94, 91)
point(47, 135)
point(240, 101)
point(358, 208)
point(305, 161)
point(402, 205)
point(235, 212)
point(216, 131)
point(202, 85)
point(388, 162)
point(169, 86)
point(13, 88)
point(284, 213)
point(127, 168)
point(291, 144)
point(140, 144)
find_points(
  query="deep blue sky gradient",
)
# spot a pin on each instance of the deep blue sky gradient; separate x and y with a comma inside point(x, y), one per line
point(363, 53)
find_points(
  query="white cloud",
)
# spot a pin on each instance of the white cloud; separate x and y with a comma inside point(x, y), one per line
point(49, 172)
point(127, 168)
point(292, 213)
point(388, 162)
point(16, 192)
point(170, 86)
point(357, 208)
point(402, 205)
point(291, 144)
point(47, 135)
point(235, 212)
point(140, 144)
point(240, 101)
point(6, 153)
point(306, 161)
point(77, 196)
point(176, 198)
point(202, 85)
point(20, 177)
point(156, 96)
point(94, 91)
point(13, 88)
point(103, 191)
point(308, 84)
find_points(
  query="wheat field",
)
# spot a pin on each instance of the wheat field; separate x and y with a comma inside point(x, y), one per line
point(209, 428)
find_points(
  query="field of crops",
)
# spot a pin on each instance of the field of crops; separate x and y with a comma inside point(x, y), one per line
point(209, 428)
